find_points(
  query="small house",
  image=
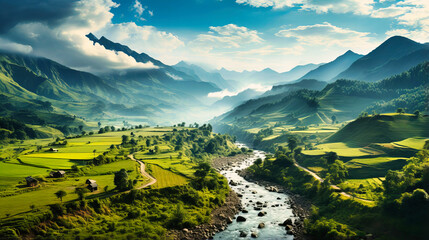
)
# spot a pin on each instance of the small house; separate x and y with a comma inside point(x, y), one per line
point(52, 150)
point(93, 187)
point(89, 181)
point(58, 174)
point(31, 182)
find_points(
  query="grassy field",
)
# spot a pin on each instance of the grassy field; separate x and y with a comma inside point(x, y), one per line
point(373, 167)
point(166, 178)
point(415, 143)
point(369, 188)
point(24, 160)
point(44, 194)
point(343, 150)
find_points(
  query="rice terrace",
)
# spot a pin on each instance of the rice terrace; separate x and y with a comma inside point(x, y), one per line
point(231, 119)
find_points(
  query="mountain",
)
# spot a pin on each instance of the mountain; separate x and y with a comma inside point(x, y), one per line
point(329, 70)
point(164, 84)
point(384, 128)
point(310, 84)
point(212, 77)
point(267, 76)
point(233, 101)
point(345, 99)
point(50, 79)
point(395, 55)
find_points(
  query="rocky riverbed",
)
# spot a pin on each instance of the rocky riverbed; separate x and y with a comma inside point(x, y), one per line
point(220, 218)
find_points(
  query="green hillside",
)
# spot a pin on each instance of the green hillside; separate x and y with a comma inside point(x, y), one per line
point(383, 128)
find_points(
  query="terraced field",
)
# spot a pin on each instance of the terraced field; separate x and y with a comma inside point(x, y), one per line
point(373, 167)
point(165, 178)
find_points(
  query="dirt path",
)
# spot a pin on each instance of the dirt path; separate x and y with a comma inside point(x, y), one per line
point(143, 172)
point(332, 185)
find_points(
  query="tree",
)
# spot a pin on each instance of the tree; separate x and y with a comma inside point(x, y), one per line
point(80, 128)
point(121, 179)
point(417, 113)
point(292, 144)
point(99, 124)
point(81, 192)
point(337, 171)
point(426, 146)
point(400, 110)
point(148, 142)
point(125, 139)
point(333, 118)
point(258, 162)
point(202, 170)
point(60, 194)
point(331, 157)
point(94, 151)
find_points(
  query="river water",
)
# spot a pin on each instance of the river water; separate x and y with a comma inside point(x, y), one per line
point(252, 193)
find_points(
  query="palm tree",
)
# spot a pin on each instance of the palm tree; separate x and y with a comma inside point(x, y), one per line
point(60, 194)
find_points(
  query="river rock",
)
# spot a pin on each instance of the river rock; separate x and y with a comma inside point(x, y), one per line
point(289, 232)
point(254, 234)
point(243, 234)
point(261, 214)
point(241, 219)
point(288, 222)
point(289, 227)
point(244, 211)
point(228, 220)
point(257, 208)
point(261, 225)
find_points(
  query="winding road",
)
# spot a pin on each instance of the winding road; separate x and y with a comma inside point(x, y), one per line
point(340, 191)
point(143, 172)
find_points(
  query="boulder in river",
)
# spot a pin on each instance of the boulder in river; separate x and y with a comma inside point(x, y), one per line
point(243, 234)
point(289, 227)
point(241, 219)
point(261, 225)
point(261, 214)
point(254, 234)
point(244, 211)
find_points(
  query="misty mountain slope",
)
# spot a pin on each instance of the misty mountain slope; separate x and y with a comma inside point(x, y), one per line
point(329, 70)
point(154, 82)
point(395, 55)
point(213, 77)
point(233, 101)
point(382, 129)
point(53, 80)
point(345, 99)
point(310, 84)
point(267, 76)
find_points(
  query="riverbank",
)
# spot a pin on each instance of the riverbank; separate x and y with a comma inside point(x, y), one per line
point(220, 218)
point(221, 163)
point(301, 206)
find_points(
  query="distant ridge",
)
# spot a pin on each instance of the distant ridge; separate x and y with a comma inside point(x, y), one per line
point(397, 54)
point(329, 70)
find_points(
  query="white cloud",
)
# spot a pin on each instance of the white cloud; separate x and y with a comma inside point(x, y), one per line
point(138, 8)
point(224, 93)
point(228, 36)
point(14, 47)
point(73, 49)
point(320, 6)
point(326, 34)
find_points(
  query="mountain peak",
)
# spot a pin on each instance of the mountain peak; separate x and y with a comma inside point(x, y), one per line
point(92, 37)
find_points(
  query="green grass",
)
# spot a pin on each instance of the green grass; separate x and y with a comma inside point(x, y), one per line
point(385, 128)
point(342, 150)
point(370, 188)
point(373, 167)
point(51, 163)
point(165, 178)
point(415, 143)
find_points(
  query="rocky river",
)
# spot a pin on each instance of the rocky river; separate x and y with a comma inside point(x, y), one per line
point(266, 211)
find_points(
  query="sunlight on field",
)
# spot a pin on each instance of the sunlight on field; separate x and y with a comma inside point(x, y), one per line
point(165, 178)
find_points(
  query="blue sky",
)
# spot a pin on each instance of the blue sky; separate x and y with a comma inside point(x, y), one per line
point(235, 34)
